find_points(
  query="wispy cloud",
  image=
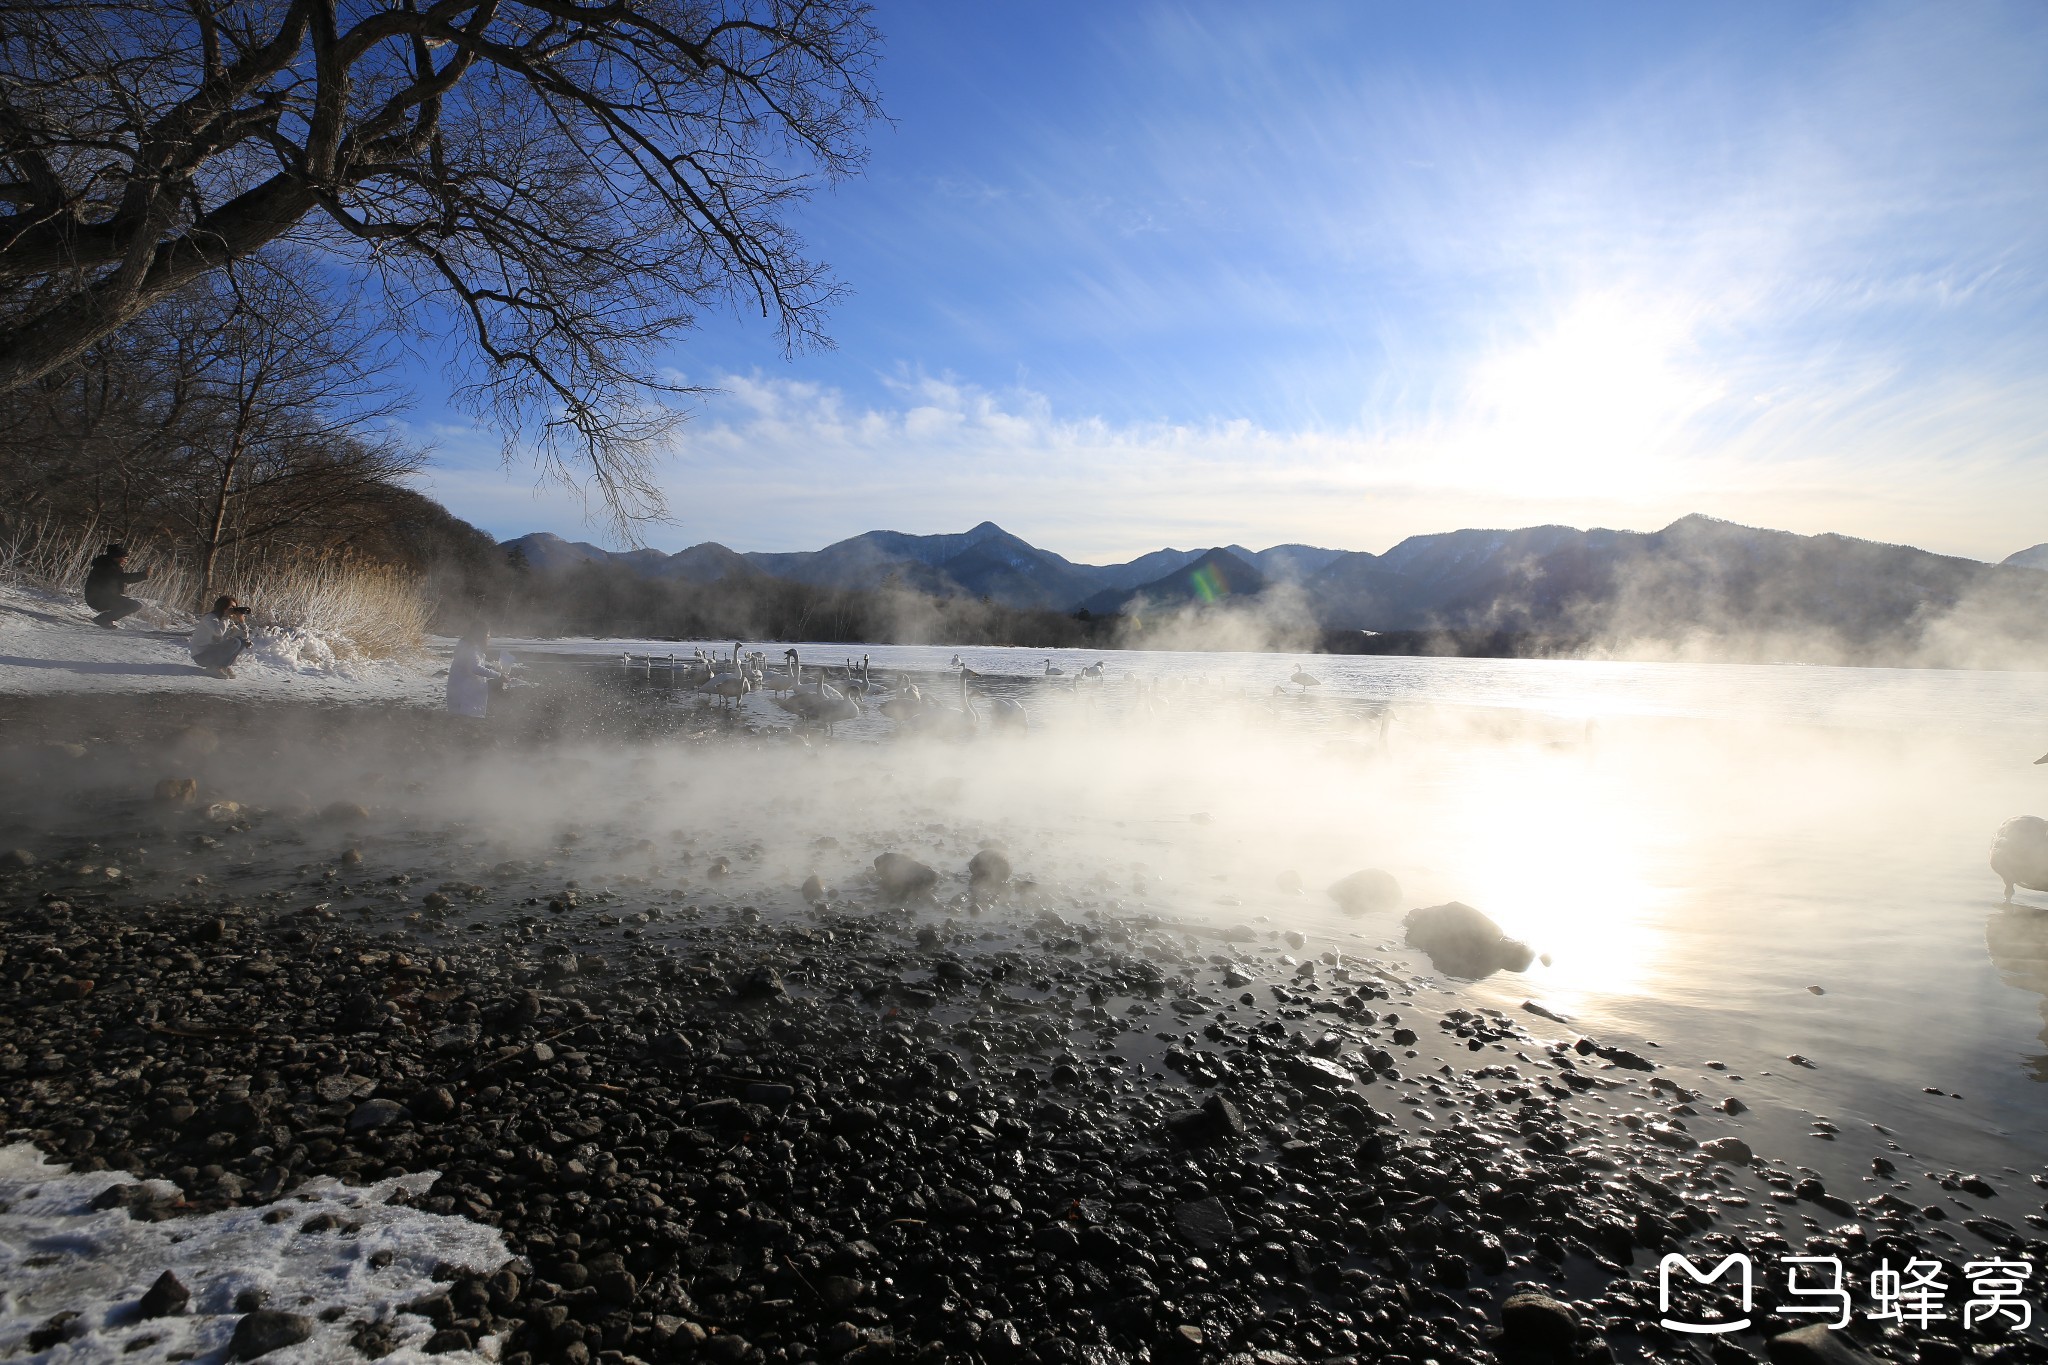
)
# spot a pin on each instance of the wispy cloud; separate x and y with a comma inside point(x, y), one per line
point(1375, 273)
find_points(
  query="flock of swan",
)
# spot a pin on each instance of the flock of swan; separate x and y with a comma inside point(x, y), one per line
point(830, 694)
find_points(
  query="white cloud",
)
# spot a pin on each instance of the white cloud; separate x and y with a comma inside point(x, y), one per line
point(780, 465)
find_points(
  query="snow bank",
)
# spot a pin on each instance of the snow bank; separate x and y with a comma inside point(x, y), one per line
point(58, 1254)
point(48, 644)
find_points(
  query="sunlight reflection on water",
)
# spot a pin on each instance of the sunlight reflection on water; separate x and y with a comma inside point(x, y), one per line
point(1691, 846)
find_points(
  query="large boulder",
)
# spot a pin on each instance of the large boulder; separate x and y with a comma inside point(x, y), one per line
point(1364, 892)
point(1463, 942)
point(901, 876)
point(2019, 853)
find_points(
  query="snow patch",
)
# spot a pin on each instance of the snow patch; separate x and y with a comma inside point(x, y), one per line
point(295, 649)
point(48, 644)
point(58, 1254)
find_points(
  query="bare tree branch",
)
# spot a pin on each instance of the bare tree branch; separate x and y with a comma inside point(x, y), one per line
point(571, 182)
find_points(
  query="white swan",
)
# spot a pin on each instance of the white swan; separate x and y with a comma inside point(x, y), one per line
point(1305, 680)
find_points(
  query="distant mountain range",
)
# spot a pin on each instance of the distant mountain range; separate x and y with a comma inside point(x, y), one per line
point(1698, 573)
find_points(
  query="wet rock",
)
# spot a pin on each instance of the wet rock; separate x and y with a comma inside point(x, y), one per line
point(760, 984)
point(1316, 1074)
point(1815, 1345)
point(363, 1011)
point(56, 1330)
point(164, 1298)
point(344, 813)
point(16, 860)
point(433, 1103)
point(1538, 1322)
point(176, 791)
point(373, 1114)
point(1214, 1118)
point(1730, 1149)
point(901, 876)
point(1461, 941)
point(1366, 891)
point(988, 868)
point(1203, 1223)
point(814, 889)
point(267, 1330)
point(727, 1349)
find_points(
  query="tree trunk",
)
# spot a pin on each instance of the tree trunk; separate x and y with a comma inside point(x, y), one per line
point(209, 548)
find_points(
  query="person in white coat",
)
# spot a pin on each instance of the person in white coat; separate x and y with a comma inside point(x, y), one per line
point(469, 677)
point(220, 637)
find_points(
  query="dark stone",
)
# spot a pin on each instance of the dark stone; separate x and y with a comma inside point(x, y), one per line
point(267, 1330)
point(374, 1114)
point(1815, 1345)
point(759, 984)
point(1539, 1321)
point(55, 1331)
point(433, 1103)
point(165, 1297)
point(1367, 891)
point(1203, 1223)
point(1460, 941)
point(988, 868)
point(901, 876)
point(727, 1349)
point(1214, 1118)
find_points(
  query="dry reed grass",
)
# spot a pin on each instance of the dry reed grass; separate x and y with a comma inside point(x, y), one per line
point(359, 610)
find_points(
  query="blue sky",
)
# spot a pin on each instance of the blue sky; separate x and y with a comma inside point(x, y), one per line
point(1152, 274)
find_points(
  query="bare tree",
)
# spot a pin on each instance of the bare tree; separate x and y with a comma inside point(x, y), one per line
point(239, 418)
point(564, 182)
point(287, 413)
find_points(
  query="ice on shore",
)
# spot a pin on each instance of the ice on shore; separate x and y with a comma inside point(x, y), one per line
point(58, 1254)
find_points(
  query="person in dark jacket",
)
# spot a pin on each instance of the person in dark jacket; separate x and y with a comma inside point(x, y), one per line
point(105, 585)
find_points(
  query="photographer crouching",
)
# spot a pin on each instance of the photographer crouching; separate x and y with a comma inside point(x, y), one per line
point(220, 637)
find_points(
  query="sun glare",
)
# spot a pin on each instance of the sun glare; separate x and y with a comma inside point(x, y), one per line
point(1590, 403)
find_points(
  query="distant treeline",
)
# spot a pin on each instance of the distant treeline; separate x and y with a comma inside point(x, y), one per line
point(613, 599)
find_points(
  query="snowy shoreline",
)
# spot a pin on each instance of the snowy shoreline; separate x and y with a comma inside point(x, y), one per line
point(48, 645)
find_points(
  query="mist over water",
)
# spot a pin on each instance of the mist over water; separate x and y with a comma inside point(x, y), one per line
point(1689, 848)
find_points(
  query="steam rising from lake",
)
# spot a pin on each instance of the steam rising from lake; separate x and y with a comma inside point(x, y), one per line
point(1690, 848)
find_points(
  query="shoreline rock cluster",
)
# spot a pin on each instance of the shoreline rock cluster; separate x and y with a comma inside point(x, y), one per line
point(764, 1150)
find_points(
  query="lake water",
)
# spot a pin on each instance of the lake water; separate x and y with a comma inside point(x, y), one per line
point(1692, 847)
